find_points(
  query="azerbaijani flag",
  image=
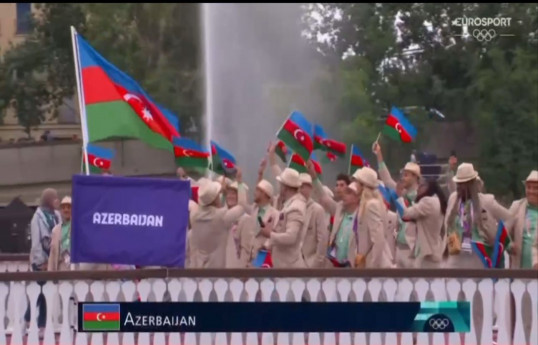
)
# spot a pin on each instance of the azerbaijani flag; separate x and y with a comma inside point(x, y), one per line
point(101, 317)
point(297, 163)
point(99, 159)
point(484, 253)
point(190, 154)
point(116, 106)
point(281, 151)
point(356, 160)
point(223, 162)
point(398, 127)
point(502, 242)
point(389, 195)
point(297, 134)
point(319, 137)
point(331, 156)
point(317, 166)
point(263, 260)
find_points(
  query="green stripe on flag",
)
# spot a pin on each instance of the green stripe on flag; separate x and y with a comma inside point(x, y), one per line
point(293, 144)
point(101, 325)
point(192, 162)
point(300, 168)
point(392, 133)
point(118, 119)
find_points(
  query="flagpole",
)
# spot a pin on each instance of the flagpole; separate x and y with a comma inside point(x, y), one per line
point(82, 108)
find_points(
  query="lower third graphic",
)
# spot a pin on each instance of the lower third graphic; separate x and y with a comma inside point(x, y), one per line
point(101, 317)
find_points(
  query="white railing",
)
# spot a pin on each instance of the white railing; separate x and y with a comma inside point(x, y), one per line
point(490, 302)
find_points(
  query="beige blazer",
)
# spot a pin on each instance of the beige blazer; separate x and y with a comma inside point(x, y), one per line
point(239, 239)
point(516, 226)
point(371, 233)
point(56, 262)
point(316, 236)
point(429, 221)
point(491, 213)
point(286, 238)
point(391, 232)
point(209, 233)
point(252, 244)
point(336, 209)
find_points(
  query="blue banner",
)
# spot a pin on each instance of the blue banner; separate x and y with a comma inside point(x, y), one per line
point(132, 221)
point(292, 317)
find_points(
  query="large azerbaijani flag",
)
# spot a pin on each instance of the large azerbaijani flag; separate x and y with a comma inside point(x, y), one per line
point(189, 154)
point(297, 134)
point(116, 106)
point(398, 127)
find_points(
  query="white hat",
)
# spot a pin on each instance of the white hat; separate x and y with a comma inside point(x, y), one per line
point(412, 168)
point(533, 176)
point(368, 177)
point(354, 187)
point(201, 181)
point(66, 200)
point(465, 173)
point(328, 191)
point(290, 178)
point(208, 192)
point(305, 178)
point(266, 187)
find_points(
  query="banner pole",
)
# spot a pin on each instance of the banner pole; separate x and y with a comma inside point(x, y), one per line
point(81, 107)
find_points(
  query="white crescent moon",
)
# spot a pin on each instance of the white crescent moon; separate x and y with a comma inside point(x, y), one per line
point(398, 127)
point(128, 96)
point(297, 132)
point(185, 153)
point(99, 315)
point(96, 161)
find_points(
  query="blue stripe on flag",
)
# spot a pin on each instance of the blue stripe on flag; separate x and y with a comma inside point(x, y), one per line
point(101, 308)
point(223, 154)
point(100, 152)
point(188, 144)
point(319, 132)
point(302, 122)
point(408, 126)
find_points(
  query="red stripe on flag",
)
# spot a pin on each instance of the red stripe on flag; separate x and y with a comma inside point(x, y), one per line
point(297, 159)
point(182, 152)
point(357, 161)
point(317, 167)
point(91, 316)
point(335, 146)
point(394, 123)
point(98, 87)
point(99, 162)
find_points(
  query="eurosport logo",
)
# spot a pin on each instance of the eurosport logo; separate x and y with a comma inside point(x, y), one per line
point(482, 29)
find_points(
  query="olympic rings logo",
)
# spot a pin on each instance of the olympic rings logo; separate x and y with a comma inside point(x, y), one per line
point(439, 324)
point(484, 35)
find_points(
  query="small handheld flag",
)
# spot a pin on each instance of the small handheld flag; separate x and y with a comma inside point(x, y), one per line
point(317, 165)
point(356, 160)
point(99, 158)
point(297, 163)
point(223, 162)
point(190, 154)
point(282, 151)
point(502, 242)
point(398, 127)
point(319, 137)
point(484, 253)
point(296, 133)
point(263, 260)
point(322, 142)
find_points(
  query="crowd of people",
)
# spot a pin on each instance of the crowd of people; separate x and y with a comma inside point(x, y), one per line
point(307, 225)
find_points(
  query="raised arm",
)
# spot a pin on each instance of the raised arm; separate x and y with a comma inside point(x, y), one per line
point(419, 210)
point(326, 201)
point(384, 173)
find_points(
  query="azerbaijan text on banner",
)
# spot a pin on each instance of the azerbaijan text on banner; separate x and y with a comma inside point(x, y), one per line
point(132, 221)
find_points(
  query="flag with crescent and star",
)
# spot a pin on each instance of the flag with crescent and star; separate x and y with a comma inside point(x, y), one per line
point(99, 158)
point(356, 160)
point(322, 142)
point(502, 243)
point(189, 154)
point(101, 317)
point(281, 151)
point(297, 134)
point(116, 106)
point(398, 127)
point(223, 162)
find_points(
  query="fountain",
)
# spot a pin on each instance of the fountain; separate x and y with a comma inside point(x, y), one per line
point(258, 69)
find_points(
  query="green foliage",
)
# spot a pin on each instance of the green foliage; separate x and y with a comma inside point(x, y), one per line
point(491, 86)
point(156, 44)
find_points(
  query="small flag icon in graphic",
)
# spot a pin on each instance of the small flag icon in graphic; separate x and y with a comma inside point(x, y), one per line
point(101, 317)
